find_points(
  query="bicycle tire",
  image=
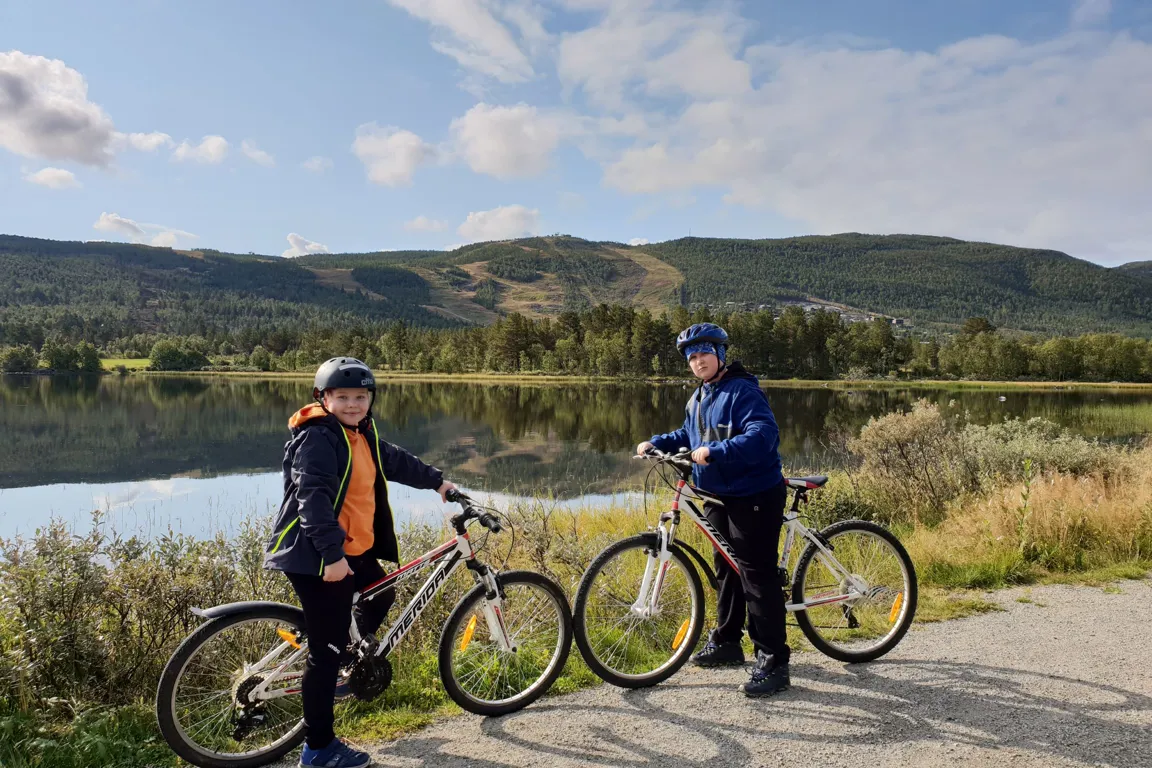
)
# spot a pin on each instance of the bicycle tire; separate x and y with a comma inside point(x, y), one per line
point(467, 608)
point(166, 690)
point(681, 652)
point(907, 609)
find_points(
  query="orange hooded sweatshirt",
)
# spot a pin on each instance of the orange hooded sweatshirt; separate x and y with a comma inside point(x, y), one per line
point(359, 509)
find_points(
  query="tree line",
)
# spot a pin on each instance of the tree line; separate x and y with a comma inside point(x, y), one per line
point(623, 341)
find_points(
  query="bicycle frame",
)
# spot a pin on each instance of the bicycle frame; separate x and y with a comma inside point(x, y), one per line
point(684, 501)
point(448, 557)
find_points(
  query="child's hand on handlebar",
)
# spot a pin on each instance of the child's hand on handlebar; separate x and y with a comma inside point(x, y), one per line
point(443, 490)
point(700, 455)
point(643, 448)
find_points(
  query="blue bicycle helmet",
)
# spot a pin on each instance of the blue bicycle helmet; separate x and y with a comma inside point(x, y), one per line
point(702, 333)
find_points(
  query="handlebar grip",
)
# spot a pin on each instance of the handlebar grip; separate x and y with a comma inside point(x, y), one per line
point(454, 496)
point(491, 523)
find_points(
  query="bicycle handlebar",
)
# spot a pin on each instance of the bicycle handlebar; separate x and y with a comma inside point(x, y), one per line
point(484, 518)
point(679, 459)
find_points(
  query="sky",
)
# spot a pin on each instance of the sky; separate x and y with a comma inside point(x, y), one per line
point(302, 127)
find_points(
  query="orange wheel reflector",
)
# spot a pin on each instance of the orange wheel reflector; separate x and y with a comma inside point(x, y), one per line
point(896, 604)
point(680, 635)
point(468, 632)
point(288, 637)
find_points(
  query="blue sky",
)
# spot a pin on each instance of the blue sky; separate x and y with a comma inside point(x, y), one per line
point(284, 127)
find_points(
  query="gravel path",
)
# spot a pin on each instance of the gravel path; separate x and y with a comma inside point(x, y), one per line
point(1063, 681)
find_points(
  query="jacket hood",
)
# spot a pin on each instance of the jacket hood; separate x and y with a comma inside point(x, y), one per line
point(313, 413)
point(736, 371)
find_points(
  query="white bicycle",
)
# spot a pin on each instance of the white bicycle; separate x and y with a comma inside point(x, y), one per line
point(639, 609)
point(230, 695)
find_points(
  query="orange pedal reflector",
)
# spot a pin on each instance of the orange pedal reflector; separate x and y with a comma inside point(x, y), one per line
point(680, 635)
point(288, 637)
point(468, 632)
point(896, 604)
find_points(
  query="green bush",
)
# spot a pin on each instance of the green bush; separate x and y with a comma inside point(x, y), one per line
point(20, 359)
point(167, 355)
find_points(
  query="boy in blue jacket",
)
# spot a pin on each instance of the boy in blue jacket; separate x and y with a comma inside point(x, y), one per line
point(735, 446)
point(333, 528)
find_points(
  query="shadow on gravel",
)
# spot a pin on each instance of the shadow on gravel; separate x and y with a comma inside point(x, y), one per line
point(886, 703)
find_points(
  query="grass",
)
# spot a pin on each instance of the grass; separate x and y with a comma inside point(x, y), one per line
point(120, 737)
point(130, 363)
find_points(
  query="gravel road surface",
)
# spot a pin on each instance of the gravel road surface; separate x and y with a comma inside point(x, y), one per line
point(1064, 680)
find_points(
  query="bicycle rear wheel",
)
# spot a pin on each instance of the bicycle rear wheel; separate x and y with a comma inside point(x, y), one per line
point(204, 702)
point(485, 679)
point(623, 643)
point(866, 627)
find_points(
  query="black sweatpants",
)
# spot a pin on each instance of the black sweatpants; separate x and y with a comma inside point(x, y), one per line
point(751, 525)
point(327, 617)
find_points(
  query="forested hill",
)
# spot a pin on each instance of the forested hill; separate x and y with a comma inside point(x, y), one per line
point(100, 291)
point(928, 279)
point(1143, 268)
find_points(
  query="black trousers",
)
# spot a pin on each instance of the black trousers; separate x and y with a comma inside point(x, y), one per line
point(751, 525)
point(327, 617)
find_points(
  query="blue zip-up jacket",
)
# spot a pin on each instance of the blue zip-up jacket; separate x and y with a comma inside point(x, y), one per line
point(306, 534)
point(738, 429)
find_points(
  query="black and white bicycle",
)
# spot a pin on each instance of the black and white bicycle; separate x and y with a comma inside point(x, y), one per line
point(639, 609)
point(229, 696)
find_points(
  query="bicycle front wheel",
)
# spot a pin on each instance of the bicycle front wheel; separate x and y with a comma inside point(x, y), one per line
point(483, 677)
point(624, 638)
point(867, 626)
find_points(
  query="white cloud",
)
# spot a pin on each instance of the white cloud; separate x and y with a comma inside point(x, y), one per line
point(153, 234)
point(1089, 13)
point(425, 224)
point(45, 112)
point(641, 45)
point(301, 246)
point(702, 67)
point(256, 155)
point(211, 150)
point(53, 178)
point(469, 32)
point(389, 154)
point(144, 142)
point(114, 222)
point(317, 164)
point(638, 241)
point(506, 142)
point(1045, 143)
point(503, 223)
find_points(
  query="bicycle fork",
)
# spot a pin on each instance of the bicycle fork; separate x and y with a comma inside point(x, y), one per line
point(493, 611)
point(655, 571)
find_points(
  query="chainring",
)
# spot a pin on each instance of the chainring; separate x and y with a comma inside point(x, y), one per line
point(370, 677)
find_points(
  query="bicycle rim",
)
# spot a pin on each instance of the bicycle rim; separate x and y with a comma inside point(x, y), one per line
point(627, 644)
point(536, 619)
point(216, 676)
point(865, 626)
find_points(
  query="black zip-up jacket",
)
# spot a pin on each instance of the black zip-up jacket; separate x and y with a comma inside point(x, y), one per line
point(307, 535)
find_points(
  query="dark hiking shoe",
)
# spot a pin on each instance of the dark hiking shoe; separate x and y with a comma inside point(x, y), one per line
point(767, 678)
point(718, 654)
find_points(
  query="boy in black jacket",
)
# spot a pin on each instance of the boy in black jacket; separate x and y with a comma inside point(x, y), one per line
point(333, 527)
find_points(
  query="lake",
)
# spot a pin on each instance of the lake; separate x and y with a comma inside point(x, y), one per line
point(196, 454)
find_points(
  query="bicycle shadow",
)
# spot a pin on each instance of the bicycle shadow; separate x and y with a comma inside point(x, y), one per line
point(888, 704)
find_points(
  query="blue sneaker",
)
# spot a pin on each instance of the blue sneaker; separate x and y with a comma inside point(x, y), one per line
point(335, 755)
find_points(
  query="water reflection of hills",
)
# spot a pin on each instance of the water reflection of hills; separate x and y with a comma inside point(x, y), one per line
point(566, 440)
